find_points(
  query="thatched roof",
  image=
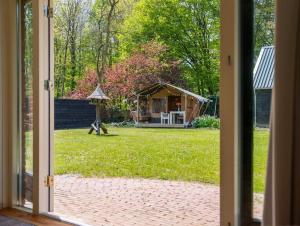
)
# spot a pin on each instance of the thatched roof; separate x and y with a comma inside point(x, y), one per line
point(98, 95)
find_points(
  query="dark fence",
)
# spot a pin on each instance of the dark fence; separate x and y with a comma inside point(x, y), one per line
point(71, 114)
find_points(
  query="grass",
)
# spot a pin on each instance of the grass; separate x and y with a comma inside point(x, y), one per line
point(168, 154)
point(261, 141)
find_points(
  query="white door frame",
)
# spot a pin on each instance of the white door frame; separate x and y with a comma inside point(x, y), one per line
point(42, 112)
point(229, 112)
point(228, 109)
point(10, 70)
point(42, 138)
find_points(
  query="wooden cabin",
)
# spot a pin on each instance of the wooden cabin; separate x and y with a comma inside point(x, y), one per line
point(165, 105)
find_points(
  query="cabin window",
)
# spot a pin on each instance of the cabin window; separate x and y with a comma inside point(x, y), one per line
point(158, 105)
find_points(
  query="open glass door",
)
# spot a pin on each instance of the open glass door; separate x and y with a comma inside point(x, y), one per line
point(35, 104)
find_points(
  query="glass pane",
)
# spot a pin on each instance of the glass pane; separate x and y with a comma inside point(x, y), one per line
point(263, 84)
point(167, 52)
point(27, 106)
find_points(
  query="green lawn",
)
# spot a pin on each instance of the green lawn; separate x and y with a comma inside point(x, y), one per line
point(175, 154)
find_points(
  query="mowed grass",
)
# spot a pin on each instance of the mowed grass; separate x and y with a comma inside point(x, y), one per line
point(168, 154)
point(261, 145)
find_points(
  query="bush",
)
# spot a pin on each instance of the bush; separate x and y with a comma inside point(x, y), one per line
point(124, 124)
point(206, 121)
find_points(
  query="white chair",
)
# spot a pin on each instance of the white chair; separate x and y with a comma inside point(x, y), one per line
point(165, 118)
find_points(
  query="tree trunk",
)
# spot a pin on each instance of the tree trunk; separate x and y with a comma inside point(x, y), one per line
point(64, 65)
point(104, 54)
point(73, 60)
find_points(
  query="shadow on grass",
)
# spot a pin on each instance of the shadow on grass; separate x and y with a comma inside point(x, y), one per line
point(108, 135)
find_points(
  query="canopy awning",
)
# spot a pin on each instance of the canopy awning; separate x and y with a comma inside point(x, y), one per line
point(160, 85)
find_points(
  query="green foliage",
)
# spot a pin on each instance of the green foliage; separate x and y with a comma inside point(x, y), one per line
point(264, 24)
point(206, 121)
point(190, 28)
point(124, 124)
point(72, 53)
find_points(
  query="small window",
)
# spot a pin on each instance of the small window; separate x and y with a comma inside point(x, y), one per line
point(158, 105)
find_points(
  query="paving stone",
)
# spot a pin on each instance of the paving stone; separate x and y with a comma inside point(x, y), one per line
point(141, 202)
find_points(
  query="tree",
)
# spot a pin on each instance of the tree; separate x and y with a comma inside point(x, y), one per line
point(70, 20)
point(85, 86)
point(189, 27)
point(143, 68)
point(264, 24)
point(102, 20)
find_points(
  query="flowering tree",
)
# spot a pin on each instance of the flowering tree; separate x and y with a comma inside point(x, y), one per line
point(144, 67)
point(147, 65)
point(85, 87)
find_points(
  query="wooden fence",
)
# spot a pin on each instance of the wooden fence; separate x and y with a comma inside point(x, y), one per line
point(71, 114)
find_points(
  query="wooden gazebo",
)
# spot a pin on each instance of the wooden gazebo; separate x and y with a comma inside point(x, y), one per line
point(97, 98)
point(166, 105)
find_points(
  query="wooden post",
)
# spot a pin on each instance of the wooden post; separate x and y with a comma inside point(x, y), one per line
point(185, 108)
point(137, 110)
point(185, 102)
point(98, 117)
point(166, 107)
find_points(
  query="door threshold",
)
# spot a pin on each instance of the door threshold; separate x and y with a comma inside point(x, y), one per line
point(38, 220)
point(67, 220)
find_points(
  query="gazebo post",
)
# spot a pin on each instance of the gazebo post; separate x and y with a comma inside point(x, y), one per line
point(185, 102)
point(98, 117)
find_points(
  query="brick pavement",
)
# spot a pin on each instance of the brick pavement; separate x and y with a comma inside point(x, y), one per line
point(142, 202)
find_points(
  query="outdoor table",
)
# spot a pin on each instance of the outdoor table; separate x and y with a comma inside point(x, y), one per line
point(173, 116)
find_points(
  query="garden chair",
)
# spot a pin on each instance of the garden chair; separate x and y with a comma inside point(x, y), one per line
point(165, 118)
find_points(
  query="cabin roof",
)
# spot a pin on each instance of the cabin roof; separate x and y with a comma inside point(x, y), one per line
point(263, 74)
point(155, 88)
point(98, 95)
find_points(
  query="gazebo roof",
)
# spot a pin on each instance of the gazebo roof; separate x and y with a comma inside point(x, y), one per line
point(98, 95)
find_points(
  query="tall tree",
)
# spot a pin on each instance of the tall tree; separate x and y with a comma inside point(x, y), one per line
point(264, 24)
point(102, 19)
point(70, 20)
point(189, 27)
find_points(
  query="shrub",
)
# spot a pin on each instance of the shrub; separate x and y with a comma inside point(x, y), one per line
point(206, 121)
point(124, 124)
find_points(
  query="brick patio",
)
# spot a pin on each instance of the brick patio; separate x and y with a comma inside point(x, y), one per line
point(120, 201)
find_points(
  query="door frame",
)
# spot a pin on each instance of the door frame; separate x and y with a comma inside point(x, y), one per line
point(1, 115)
point(42, 107)
point(236, 111)
point(228, 111)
